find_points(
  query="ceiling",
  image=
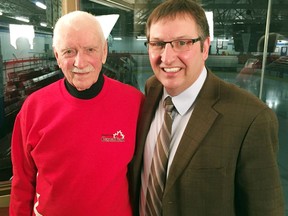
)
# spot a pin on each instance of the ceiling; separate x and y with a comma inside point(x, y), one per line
point(230, 16)
point(25, 8)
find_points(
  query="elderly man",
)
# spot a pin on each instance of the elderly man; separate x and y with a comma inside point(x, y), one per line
point(72, 140)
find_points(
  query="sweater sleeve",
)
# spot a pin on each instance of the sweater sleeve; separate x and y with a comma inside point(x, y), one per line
point(24, 171)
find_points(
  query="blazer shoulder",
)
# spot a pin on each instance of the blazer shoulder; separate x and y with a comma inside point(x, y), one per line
point(237, 98)
point(152, 82)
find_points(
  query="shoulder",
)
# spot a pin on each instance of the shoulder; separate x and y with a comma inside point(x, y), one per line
point(48, 89)
point(237, 94)
point(122, 88)
point(44, 95)
point(234, 100)
point(152, 82)
point(230, 92)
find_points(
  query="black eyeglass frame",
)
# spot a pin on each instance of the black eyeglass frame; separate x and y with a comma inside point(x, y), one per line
point(193, 40)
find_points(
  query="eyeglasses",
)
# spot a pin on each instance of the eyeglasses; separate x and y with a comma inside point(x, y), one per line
point(177, 45)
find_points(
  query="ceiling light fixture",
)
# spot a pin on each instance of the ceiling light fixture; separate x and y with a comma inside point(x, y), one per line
point(140, 37)
point(40, 5)
point(23, 19)
point(43, 24)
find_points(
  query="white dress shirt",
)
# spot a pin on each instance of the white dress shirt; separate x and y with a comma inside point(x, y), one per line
point(181, 114)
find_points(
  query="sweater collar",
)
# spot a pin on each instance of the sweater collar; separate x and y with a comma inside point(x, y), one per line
point(90, 93)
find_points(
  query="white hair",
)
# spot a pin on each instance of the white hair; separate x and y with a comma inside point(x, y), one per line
point(70, 19)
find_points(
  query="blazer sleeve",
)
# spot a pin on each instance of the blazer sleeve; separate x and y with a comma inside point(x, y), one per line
point(258, 186)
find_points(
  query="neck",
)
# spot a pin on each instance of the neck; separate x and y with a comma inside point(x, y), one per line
point(92, 92)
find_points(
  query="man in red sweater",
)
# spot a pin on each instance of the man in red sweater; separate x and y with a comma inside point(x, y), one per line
point(72, 140)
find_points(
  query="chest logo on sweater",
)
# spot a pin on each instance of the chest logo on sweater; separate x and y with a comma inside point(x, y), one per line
point(115, 137)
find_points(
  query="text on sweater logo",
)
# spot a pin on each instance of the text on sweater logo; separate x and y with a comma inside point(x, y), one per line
point(116, 137)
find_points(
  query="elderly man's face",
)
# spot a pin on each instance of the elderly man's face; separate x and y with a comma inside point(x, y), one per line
point(80, 54)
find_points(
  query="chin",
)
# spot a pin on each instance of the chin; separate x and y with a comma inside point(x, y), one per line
point(82, 88)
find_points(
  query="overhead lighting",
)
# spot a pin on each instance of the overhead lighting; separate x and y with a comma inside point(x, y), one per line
point(141, 37)
point(43, 24)
point(23, 19)
point(1, 13)
point(117, 38)
point(40, 5)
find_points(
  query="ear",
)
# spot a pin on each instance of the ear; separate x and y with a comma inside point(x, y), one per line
point(206, 47)
point(105, 52)
point(57, 57)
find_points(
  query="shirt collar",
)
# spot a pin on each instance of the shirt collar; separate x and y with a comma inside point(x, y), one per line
point(90, 93)
point(186, 99)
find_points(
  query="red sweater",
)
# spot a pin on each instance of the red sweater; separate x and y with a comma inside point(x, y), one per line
point(70, 155)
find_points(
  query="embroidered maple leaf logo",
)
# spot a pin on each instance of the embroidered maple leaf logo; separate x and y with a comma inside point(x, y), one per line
point(118, 135)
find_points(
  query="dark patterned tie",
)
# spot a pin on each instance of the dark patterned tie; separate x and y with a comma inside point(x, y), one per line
point(158, 171)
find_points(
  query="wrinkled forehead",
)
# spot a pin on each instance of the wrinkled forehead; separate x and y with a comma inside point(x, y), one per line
point(83, 28)
point(77, 26)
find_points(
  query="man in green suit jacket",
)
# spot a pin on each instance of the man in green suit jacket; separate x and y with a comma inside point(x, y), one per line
point(223, 150)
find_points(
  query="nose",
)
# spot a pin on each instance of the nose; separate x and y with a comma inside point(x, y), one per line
point(80, 61)
point(168, 54)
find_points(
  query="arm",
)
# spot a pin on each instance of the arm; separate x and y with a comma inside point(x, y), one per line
point(258, 188)
point(24, 172)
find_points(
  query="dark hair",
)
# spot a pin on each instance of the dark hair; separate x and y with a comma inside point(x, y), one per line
point(172, 8)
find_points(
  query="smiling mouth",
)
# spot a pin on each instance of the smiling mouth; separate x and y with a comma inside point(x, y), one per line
point(171, 70)
point(80, 73)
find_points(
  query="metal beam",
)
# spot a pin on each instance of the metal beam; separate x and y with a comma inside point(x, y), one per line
point(244, 6)
point(120, 4)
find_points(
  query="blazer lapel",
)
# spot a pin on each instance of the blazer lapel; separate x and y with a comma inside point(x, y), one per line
point(200, 122)
point(153, 97)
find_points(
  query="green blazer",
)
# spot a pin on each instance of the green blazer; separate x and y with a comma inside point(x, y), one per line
point(226, 162)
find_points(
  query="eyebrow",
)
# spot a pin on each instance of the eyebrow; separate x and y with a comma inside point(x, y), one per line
point(88, 47)
point(177, 38)
point(64, 49)
point(85, 47)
